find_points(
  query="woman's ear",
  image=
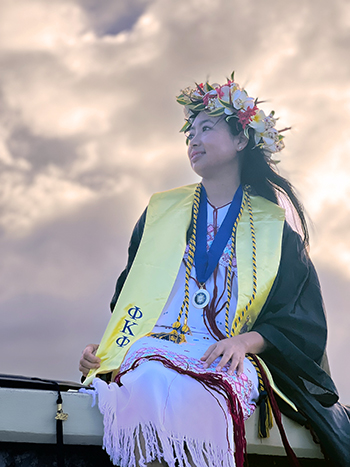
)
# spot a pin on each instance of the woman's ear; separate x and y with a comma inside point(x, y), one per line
point(242, 141)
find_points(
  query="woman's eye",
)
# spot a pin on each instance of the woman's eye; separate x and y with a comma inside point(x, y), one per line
point(190, 136)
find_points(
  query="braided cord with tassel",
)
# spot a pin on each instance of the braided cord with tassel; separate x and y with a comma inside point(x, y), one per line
point(229, 269)
point(177, 334)
point(265, 412)
point(179, 331)
point(242, 313)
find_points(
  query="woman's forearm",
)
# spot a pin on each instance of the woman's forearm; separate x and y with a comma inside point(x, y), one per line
point(253, 342)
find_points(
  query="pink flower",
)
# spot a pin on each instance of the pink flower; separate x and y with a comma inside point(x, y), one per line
point(245, 116)
point(209, 97)
point(220, 92)
point(223, 91)
point(206, 99)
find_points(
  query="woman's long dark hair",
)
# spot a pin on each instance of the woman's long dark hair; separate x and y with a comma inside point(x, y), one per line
point(259, 172)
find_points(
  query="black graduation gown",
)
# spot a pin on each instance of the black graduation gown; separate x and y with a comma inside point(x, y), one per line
point(294, 324)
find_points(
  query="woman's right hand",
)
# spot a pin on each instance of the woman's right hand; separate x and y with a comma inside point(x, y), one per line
point(88, 360)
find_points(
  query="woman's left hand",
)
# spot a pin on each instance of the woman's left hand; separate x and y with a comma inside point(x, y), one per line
point(234, 349)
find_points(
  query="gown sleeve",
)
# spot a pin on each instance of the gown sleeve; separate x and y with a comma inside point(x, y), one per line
point(293, 322)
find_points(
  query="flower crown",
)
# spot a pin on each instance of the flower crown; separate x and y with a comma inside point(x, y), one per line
point(233, 101)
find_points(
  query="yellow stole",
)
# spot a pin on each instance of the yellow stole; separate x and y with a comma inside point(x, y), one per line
point(158, 260)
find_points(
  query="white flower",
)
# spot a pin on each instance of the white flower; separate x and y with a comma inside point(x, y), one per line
point(272, 140)
point(275, 147)
point(258, 137)
point(272, 133)
point(234, 87)
point(269, 145)
point(280, 145)
point(270, 121)
point(224, 93)
point(241, 100)
point(211, 100)
point(258, 121)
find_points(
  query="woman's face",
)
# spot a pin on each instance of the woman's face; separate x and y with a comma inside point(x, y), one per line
point(212, 148)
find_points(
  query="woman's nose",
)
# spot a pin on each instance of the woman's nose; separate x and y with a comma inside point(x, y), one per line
point(195, 140)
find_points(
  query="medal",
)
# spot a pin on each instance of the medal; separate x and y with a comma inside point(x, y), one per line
point(200, 299)
point(205, 261)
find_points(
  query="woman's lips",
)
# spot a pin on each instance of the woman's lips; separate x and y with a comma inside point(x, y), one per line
point(195, 155)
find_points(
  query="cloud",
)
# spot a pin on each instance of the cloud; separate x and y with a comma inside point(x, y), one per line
point(39, 26)
point(89, 129)
point(113, 17)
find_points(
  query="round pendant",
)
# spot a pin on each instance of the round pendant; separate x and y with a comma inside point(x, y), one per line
point(201, 298)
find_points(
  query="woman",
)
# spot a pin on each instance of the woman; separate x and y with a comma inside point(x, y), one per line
point(215, 273)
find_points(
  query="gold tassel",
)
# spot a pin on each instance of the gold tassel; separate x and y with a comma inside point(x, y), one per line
point(265, 418)
point(269, 418)
point(265, 410)
point(176, 335)
point(160, 335)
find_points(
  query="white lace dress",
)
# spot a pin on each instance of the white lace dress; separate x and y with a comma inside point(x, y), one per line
point(162, 407)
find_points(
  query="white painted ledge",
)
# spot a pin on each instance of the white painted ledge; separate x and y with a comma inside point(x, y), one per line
point(28, 416)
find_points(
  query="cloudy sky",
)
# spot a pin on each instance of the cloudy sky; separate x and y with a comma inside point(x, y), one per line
point(89, 130)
